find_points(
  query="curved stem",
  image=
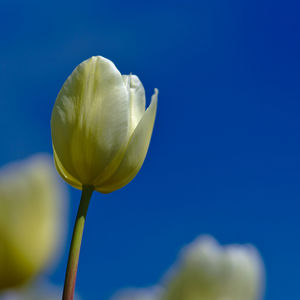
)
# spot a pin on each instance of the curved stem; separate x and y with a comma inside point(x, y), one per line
point(71, 272)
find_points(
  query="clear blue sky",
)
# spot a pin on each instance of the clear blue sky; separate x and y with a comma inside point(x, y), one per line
point(225, 153)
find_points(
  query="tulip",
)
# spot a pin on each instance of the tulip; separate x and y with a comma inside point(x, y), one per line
point(100, 129)
point(30, 219)
point(38, 290)
point(100, 135)
point(139, 294)
point(208, 271)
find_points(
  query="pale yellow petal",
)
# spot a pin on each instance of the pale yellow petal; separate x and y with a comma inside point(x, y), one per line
point(137, 99)
point(152, 293)
point(135, 153)
point(209, 271)
point(90, 120)
point(64, 173)
point(31, 206)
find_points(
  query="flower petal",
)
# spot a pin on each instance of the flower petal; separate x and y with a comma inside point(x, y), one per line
point(207, 270)
point(31, 219)
point(152, 293)
point(90, 120)
point(64, 173)
point(135, 153)
point(137, 99)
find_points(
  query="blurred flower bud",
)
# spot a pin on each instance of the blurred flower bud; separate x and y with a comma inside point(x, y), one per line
point(139, 294)
point(208, 271)
point(40, 290)
point(30, 219)
point(100, 129)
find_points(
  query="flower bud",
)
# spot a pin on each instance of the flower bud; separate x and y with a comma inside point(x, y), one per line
point(38, 290)
point(30, 219)
point(208, 271)
point(100, 128)
point(139, 294)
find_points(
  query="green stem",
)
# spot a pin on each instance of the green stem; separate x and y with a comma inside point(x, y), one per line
point(71, 272)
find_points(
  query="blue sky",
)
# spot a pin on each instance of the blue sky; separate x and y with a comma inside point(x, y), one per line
point(225, 154)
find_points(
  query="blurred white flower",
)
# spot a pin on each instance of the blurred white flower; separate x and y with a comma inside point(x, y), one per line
point(153, 293)
point(36, 292)
point(41, 290)
point(31, 210)
point(208, 271)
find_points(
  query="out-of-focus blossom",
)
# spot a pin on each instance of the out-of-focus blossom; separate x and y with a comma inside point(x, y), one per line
point(40, 290)
point(208, 271)
point(33, 292)
point(31, 208)
point(100, 128)
point(153, 293)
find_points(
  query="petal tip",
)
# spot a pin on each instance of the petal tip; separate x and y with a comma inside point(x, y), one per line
point(154, 96)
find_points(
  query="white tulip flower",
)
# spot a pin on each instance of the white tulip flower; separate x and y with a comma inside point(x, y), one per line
point(153, 293)
point(100, 128)
point(208, 271)
point(100, 134)
point(31, 211)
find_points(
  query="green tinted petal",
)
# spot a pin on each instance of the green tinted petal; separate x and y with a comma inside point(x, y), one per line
point(135, 153)
point(137, 99)
point(64, 173)
point(90, 120)
point(31, 206)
